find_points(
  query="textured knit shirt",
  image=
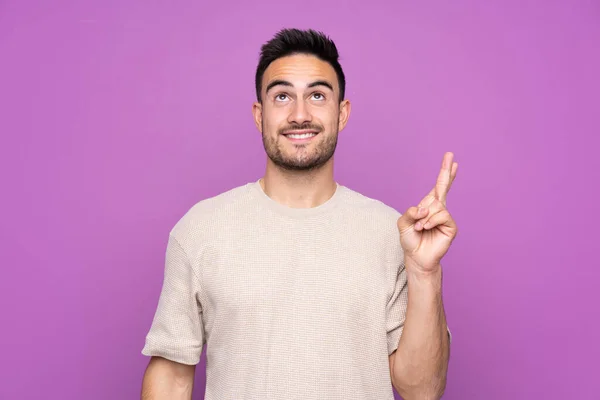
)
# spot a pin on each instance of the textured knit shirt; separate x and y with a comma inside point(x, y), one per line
point(292, 303)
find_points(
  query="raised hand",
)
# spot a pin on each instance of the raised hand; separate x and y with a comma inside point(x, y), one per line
point(427, 230)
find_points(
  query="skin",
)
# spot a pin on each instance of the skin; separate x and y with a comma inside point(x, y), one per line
point(300, 174)
point(167, 380)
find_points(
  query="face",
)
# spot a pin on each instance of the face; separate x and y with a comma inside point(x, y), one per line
point(300, 114)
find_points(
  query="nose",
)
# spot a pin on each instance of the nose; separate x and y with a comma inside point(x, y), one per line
point(300, 113)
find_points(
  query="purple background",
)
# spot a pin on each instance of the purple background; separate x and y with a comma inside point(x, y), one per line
point(117, 116)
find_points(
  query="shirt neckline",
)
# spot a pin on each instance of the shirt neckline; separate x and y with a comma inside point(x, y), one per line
point(292, 211)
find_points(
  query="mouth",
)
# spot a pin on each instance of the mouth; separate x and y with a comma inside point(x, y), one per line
point(300, 135)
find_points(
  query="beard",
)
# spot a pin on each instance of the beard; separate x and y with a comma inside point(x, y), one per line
point(302, 159)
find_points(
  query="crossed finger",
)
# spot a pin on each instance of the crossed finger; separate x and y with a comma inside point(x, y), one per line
point(435, 201)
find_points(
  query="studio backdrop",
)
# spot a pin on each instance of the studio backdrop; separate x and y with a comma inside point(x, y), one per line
point(117, 116)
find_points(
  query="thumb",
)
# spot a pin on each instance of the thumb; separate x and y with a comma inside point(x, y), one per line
point(410, 217)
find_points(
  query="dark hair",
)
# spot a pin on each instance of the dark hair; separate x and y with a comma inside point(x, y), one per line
point(295, 41)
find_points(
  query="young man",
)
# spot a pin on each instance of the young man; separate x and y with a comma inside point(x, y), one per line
point(303, 288)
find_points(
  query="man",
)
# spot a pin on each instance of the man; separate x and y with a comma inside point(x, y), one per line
point(300, 287)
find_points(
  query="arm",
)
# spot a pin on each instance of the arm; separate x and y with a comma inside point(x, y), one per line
point(419, 366)
point(176, 336)
point(167, 380)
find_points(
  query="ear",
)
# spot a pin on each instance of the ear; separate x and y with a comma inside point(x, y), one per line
point(257, 111)
point(345, 108)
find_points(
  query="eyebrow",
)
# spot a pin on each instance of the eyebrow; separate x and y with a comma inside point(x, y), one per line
point(280, 82)
point(321, 83)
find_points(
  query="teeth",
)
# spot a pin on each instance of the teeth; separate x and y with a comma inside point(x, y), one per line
point(301, 136)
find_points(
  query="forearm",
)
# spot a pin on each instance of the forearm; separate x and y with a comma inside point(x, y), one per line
point(166, 379)
point(421, 360)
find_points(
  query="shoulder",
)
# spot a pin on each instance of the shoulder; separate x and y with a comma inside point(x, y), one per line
point(209, 214)
point(373, 208)
point(377, 219)
point(371, 214)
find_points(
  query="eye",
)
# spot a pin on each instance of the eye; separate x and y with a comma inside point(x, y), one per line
point(318, 96)
point(281, 97)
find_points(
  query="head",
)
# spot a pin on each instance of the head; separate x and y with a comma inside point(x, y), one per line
point(300, 107)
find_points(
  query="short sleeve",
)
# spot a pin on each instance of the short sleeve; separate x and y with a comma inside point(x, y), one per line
point(177, 331)
point(396, 309)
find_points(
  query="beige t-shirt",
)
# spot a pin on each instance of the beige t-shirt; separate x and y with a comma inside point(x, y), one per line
point(292, 303)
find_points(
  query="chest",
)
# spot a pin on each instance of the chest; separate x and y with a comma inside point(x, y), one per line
point(318, 270)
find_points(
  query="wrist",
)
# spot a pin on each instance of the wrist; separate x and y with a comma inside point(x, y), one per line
point(416, 274)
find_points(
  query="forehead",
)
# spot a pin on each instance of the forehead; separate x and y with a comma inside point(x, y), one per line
point(300, 69)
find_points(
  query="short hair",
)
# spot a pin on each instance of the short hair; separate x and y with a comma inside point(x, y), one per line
point(295, 41)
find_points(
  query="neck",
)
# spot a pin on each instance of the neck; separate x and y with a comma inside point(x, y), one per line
point(299, 189)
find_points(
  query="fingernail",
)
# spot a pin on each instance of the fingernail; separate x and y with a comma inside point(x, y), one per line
point(418, 226)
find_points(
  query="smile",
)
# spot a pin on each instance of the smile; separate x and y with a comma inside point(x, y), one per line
point(300, 135)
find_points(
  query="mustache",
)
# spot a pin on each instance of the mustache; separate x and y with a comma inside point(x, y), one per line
point(313, 127)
